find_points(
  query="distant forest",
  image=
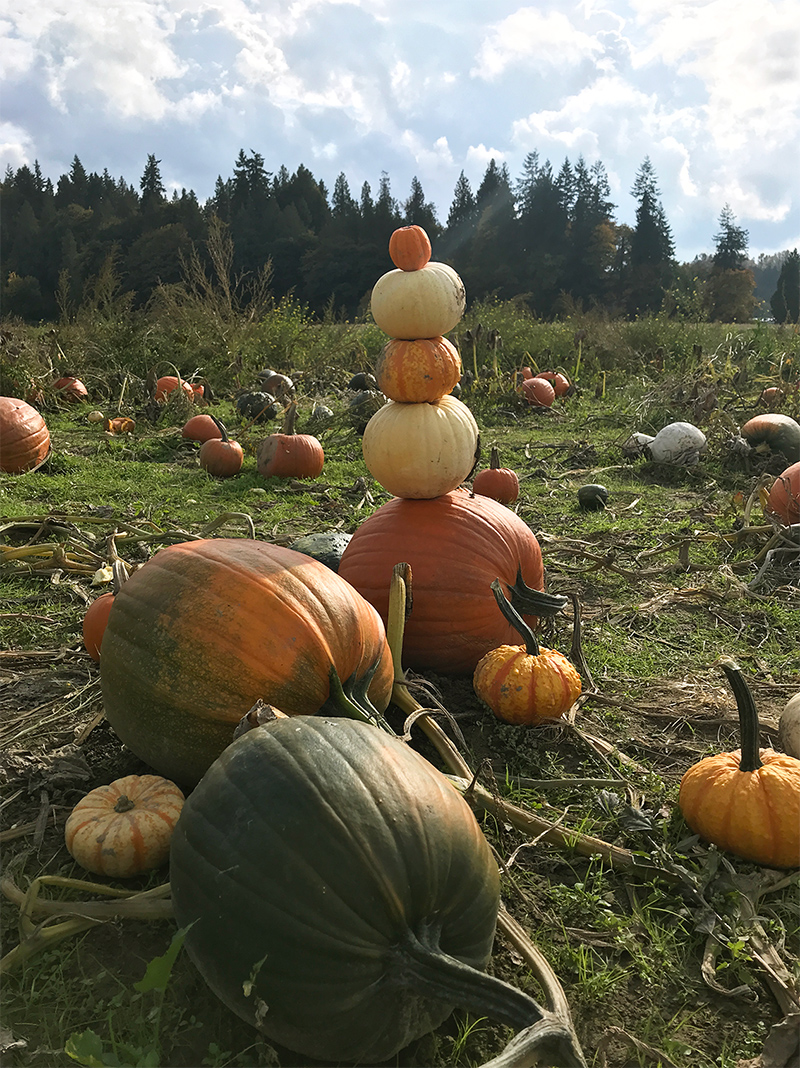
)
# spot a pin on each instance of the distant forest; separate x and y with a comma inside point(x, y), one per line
point(547, 238)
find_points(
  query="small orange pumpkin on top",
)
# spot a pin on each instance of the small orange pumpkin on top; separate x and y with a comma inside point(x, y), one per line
point(410, 248)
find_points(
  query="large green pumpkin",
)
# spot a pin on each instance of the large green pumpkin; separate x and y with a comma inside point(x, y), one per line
point(341, 895)
point(206, 628)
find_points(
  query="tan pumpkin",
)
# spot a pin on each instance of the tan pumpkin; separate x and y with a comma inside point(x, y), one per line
point(418, 304)
point(421, 450)
point(125, 828)
point(418, 371)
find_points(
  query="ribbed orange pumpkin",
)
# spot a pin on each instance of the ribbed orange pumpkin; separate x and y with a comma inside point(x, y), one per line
point(290, 455)
point(525, 684)
point(95, 620)
point(125, 828)
point(748, 801)
point(24, 437)
point(499, 483)
point(783, 500)
point(456, 545)
point(205, 628)
point(409, 248)
point(417, 371)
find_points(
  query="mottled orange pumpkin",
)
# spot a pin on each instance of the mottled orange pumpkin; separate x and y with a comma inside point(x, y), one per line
point(24, 437)
point(746, 802)
point(418, 371)
point(409, 248)
point(125, 828)
point(525, 684)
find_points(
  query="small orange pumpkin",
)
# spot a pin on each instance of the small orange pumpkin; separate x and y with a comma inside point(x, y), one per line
point(525, 684)
point(120, 424)
point(290, 455)
point(94, 624)
point(418, 371)
point(783, 499)
point(409, 248)
point(537, 391)
point(72, 389)
point(24, 437)
point(557, 380)
point(201, 428)
point(746, 802)
point(221, 456)
point(125, 828)
point(499, 483)
point(168, 383)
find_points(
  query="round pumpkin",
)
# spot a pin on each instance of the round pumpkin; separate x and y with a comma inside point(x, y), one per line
point(290, 455)
point(205, 628)
point(421, 450)
point(499, 483)
point(783, 500)
point(201, 428)
point(456, 545)
point(169, 383)
point(24, 437)
point(221, 456)
point(746, 802)
point(779, 432)
point(409, 248)
point(316, 865)
point(418, 304)
point(525, 684)
point(414, 372)
point(557, 380)
point(95, 620)
point(71, 388)
point(124, 829)
point(537, 391)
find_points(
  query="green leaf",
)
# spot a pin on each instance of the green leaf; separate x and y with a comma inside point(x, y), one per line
point(87, 1049)
point(159, 969)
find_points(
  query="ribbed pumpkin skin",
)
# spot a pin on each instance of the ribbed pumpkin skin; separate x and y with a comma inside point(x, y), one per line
point(424, 303)
point(418, 371)
point(456, 545)
point(290, 456)
point(24, 437)
point(421, 450)
point(306, 854)
point(206, 628)
point(524, 689)
point(124, 843)
point(752, 814)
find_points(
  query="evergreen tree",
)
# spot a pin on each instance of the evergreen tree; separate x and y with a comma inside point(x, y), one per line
point(730, 243)
point(151, 184)
point(418, 212)
point(652, 248)
point(462, 209)
point(785, 302)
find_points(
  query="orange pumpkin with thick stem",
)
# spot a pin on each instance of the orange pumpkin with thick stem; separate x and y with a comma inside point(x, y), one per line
point(525, 684)
point(499, 483)
point(95, 621)
point(221, 456)
point(290, 455)
point(409, 248)
point(456, 545)
point(418, 371)
point(125, 828)
point(205, 628)
point(24, 437)
point(747, 801)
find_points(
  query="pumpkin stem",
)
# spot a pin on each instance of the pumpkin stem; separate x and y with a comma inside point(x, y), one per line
point(494, 458)
point(515, 619)
point(124, 804)
point(289, 419)
point(419, 963)
point(400, 602)
point(220, 427)
point(351, 699)
point(531, 602)
point(748, 716)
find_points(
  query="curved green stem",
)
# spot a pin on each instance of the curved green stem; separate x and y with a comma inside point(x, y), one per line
point(351, 698)
point(515, 619)
point(748, 716)
point(532, 602)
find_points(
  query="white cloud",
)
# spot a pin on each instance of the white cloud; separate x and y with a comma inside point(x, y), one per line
point(533, 36)
point(16, 146)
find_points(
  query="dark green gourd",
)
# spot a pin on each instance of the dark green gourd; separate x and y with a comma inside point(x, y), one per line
point(341, 895)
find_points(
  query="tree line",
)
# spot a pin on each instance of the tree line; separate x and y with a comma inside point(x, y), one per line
point(548, 238)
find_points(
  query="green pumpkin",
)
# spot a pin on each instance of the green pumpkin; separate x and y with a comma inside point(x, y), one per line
point(341, 895)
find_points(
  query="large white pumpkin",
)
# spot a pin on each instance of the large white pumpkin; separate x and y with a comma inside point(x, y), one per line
point(421, 450)
point(418, 304)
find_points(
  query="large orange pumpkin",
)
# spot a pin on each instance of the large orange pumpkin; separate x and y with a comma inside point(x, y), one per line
point(456, 545)
point(537, 391)
point(24, 437)
point(416, 371)
point(205, 628)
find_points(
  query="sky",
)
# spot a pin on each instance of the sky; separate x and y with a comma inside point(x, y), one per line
point(708, 90)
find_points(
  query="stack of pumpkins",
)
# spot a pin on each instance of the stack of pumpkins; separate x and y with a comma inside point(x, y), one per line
point(421, 446)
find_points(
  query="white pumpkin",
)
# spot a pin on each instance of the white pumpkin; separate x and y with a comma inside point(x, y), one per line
point(677, 443)
point(789, 727)
point(418, 304)
point(421, 450)
point(635, 445)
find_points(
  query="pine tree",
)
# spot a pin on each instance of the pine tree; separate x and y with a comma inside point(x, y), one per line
point(417, 212)
point(785, 302)
point(462, 209)
point(152, 185)
point(652, 248)
point(730, 243)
